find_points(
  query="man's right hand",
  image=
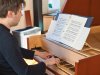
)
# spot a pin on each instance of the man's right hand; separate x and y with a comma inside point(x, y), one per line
point(51, 61)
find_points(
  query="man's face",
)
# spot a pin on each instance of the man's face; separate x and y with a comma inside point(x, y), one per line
point(16, 18)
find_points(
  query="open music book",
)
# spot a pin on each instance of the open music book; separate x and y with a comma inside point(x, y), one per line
point(71, 30)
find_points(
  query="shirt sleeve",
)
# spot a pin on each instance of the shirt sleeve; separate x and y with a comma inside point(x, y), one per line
point(29, 54)
point(15, 59)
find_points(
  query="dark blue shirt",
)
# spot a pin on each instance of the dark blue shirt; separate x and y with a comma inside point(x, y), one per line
point(11, 57)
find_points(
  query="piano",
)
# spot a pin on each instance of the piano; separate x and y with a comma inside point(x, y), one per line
point(73, 62)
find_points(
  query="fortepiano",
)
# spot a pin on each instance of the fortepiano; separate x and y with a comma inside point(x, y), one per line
point(73, 62)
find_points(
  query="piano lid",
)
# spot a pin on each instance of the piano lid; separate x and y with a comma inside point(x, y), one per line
point(84, 8)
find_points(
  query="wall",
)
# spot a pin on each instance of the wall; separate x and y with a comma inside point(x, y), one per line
point(45, 5)
point(29, 6)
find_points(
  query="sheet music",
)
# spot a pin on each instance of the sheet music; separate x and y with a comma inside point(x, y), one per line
point(68, 29)
point(72, 31)
point(61, 23)
point(51, 30)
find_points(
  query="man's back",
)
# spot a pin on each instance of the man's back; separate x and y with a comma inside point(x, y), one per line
point(5, 68)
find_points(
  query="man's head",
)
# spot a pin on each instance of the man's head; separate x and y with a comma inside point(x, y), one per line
point(11, 10)
point(10, 5)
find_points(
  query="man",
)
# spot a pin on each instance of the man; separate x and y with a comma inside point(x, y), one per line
point(11, 55)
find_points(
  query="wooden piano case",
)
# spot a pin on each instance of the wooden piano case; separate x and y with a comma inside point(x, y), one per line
point(85, 61)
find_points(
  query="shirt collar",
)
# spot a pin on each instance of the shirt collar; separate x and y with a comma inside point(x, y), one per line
point(5, 27)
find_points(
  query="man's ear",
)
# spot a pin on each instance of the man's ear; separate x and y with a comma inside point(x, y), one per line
point(10, 14)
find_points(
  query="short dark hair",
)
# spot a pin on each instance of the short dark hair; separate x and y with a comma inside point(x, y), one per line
point(12, 5)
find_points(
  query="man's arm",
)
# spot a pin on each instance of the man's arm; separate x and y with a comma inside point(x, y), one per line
point(29, 54)
point(15, 59)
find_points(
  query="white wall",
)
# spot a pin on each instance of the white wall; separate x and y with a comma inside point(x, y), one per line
point(29, 6)
point(45, 5)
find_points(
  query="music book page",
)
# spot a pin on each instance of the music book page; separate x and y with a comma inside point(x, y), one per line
point(70, 30)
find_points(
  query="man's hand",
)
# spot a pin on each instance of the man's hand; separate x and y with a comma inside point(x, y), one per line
point(43, 55)
point(49, 59)
point(52, 61)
